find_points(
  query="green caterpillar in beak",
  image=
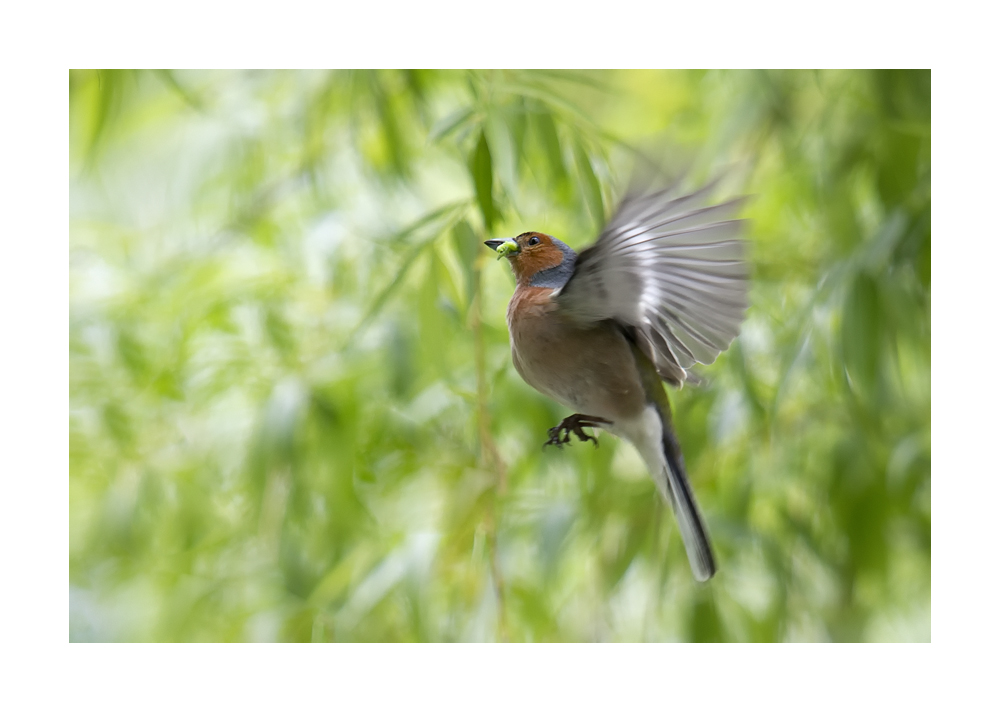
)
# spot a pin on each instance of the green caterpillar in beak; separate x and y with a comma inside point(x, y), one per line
point(507, 247)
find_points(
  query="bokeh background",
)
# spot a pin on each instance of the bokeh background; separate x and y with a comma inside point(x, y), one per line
point(293, 415)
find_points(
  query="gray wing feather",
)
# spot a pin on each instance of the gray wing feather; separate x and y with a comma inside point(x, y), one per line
point(671, 268)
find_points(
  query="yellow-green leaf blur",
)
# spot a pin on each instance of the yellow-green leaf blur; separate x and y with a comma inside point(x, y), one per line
point(293, 414)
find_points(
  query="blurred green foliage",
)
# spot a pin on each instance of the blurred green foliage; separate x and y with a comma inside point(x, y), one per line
point(292, 410)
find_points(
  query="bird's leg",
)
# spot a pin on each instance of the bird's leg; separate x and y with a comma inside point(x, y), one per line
point(574, 424)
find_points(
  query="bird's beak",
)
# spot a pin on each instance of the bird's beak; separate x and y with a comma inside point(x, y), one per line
point(505, 247)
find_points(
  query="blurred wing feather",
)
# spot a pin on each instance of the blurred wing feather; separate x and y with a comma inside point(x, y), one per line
point(671, 270)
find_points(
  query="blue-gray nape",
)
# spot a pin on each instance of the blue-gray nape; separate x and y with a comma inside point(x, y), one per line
point(556, 277)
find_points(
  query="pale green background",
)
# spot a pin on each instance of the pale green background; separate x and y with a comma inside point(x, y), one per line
point(292, 410)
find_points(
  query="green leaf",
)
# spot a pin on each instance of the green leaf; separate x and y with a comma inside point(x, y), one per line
point(591, 185)
point(170, 79)
point(502, 151)
point(388, 118)
point(444, 126)
point(112, 85)
point(454, 211)
point(517, 121)
point(705, 624)
point(383, 296)
point(468, 247)
point(132, 353)
point(481, 168)
point(450, 276)
point(577, 77)
point(860, 333)
point(403, 236)
point(545, 127)
point(279, 331)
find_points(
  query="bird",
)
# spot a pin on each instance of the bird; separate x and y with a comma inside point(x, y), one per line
point(664, 286)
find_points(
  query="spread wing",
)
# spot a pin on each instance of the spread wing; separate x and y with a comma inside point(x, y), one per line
point(672, 272)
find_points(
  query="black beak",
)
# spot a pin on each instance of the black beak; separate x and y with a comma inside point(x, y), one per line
point(493, 244)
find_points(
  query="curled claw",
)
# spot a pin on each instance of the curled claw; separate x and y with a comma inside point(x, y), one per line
point(574, 424)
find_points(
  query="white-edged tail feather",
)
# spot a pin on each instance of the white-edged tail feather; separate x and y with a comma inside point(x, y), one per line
point(689, 521)
point(658, 447)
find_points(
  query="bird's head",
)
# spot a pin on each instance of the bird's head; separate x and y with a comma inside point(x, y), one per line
point(538, 260)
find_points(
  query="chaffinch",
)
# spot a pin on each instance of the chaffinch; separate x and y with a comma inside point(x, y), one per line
point(664, 287)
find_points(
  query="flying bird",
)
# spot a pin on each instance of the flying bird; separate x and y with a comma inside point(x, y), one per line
point(662, 288)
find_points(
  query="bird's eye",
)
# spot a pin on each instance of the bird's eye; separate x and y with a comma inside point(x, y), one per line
point(533, 241)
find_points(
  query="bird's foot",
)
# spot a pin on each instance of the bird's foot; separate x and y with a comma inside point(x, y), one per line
point(574, 424)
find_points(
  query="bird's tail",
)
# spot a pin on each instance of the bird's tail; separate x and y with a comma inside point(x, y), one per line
point(653, 435)
point(677, 491)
